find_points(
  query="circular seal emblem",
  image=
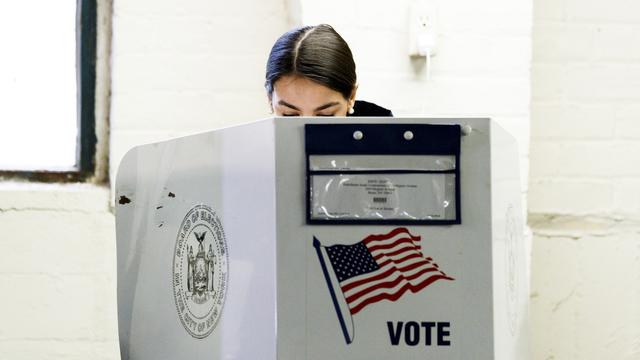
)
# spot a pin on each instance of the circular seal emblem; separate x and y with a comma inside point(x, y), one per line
point(200, 268)
point(512, 238)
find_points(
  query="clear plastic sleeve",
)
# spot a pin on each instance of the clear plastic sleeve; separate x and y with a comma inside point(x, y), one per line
point(406, 188)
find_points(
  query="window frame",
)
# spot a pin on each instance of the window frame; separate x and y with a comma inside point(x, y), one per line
point(86, 53)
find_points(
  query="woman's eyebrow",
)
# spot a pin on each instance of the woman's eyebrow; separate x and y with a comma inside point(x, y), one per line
point(284, 103)
point(327, 105)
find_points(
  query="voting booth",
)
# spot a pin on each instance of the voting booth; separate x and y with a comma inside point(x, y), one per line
point(316, 238)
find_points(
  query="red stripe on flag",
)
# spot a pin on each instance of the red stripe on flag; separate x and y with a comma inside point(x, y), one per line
point(367, 280)
point(388, 272)
point(394, 253)
point(413, 266)
point(393, 233)
point(385, 246)
point(388, 284)
point(395, 296)
point(401, 260)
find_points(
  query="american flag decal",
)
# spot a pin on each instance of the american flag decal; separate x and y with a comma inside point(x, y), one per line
point(380, 267)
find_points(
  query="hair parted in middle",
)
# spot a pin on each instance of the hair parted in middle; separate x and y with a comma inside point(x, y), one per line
point(318, 53)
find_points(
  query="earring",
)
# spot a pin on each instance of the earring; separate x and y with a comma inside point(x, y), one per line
point(351, 111)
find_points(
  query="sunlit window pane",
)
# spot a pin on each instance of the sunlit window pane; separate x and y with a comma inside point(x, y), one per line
point(38, 121)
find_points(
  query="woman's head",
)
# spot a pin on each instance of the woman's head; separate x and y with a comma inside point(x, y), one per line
point(311, 72)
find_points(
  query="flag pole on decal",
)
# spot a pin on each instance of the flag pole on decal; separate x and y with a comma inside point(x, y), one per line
point(340, 304)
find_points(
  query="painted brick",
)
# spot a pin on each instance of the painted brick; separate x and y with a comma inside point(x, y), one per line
point(52, 349)
point(549, 10)
point(188, 35)
point(377, 50)
point(586, 84)
point(603, 11)
point(553, 302)
point(601, 83)
point(627, 197)
point(561, 309)
point(555, 42)
point(171, 72)
point(457, 55)
point(396, 17)
point(548, 82)
point(625, 159)
point(570, 121)
point(39, 249)
point(195, 110)
point(83, 198)
point(504, 17)
point(485, 96)
point(574, 159)
point(610, 44)
point(627, 119)
point(618, 300)
point(569, 196)
point(524, 179)
point(471, 54)
point(342, 17)
point(46, 306)
point(194, 8)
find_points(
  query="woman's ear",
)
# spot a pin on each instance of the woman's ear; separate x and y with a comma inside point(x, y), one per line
point(270, 99)
point(352, 98)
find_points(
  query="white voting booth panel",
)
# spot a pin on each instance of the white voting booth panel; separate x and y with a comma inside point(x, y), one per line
point(314, 238)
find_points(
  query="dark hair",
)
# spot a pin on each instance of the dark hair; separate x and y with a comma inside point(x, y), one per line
point(318, 53)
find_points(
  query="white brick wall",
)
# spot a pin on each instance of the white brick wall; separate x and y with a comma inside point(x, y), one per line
point(586, 86)
point(585, 178)
point(57, 273)
point(585, 293)
point(184, 67)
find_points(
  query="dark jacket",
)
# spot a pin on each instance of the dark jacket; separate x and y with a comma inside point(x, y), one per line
point(363, 108)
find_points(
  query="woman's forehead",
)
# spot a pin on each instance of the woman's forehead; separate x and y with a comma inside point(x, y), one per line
point(298, 89)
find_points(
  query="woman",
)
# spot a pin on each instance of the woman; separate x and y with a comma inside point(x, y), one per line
point(311, 72)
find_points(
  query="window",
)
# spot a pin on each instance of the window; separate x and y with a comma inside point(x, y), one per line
point(47, 89)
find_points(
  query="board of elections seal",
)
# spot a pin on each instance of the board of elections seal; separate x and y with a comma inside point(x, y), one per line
point(200, 269)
